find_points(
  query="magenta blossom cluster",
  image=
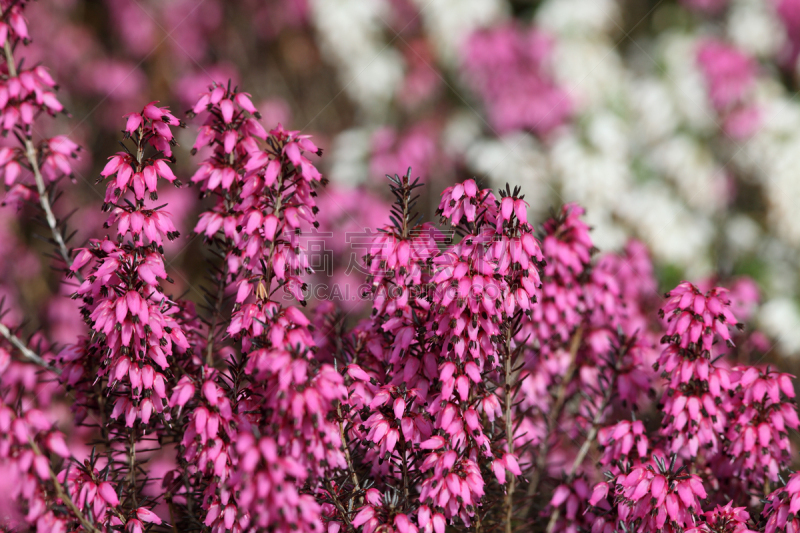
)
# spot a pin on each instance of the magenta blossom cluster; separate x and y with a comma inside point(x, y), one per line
point(655, 495)
point(509, 69)
point(25, 94)
point(782, 507)
point(730, 76)
point(507, 376)
point(725, 428)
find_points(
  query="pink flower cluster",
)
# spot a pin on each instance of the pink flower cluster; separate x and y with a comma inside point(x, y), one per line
point(694, 318)
point(782, 507)
point(655, 495)
point(508, 68)
point(25, 93)
point(134, 329)
point(729, 424)
point(730, 76)
point(725, 518)
point(762, 415)
point(507, 377)
point(28, 440)
point(269, 444)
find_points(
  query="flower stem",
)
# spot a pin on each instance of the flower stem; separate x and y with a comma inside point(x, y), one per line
point(590, 437)
point(510, 382)
point(31, 156)
point(555, 414)
point(26, 352)
point(212, 326)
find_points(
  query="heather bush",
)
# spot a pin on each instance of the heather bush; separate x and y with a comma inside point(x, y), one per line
point(505, 375)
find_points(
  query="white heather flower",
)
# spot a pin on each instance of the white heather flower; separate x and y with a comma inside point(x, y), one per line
point(593, 170)
point(770, 158)
point(655, 113)
point(742, 234)
point(781, 265)
point(782, 188)
point(352, 38)
point(462, 129)
point(692, 168)
point(585, 60)
point(753, 26)
point(588, 173)
point(679, 55)
point(607, 132)
point(450, 22)
point(781, 112)
point(780, 120)
point(607, 234)
point(590, 70)
point(350, 156)
point(674, 234)
point(579, 17)
point(516, 156)
point(780, 319)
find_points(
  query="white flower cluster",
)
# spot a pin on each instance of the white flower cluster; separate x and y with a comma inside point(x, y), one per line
point(353, 35)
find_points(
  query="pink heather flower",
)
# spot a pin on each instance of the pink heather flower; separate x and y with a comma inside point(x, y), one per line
point(89, 492)
point(455, 484)
point(123, 302)
point(10, 165)
point(567, 248)
point(493, 359)
point(460, 202)
point(691, 404)
point(658, 495)
point(727, 519)
point(691, 422)
point(294, 396)
point(156, 122)
point(23, 95)
point(58, 153)
point(729, 73)
point(567, 242)
point(378, 515)
point(782, 506)
point(259, 228)
point(695, 318)
point(788, 12)
point(762, 413)
point(27, 437)
point(624, 441)
point(599, 493)
point(507, 66)
point(430, 521)
point(730, 76)
point(575, 514)
point(476, 289)
point(14, 27)
point(416, 149)
point(146, 515)
point(130, 175)
point(403, 258)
